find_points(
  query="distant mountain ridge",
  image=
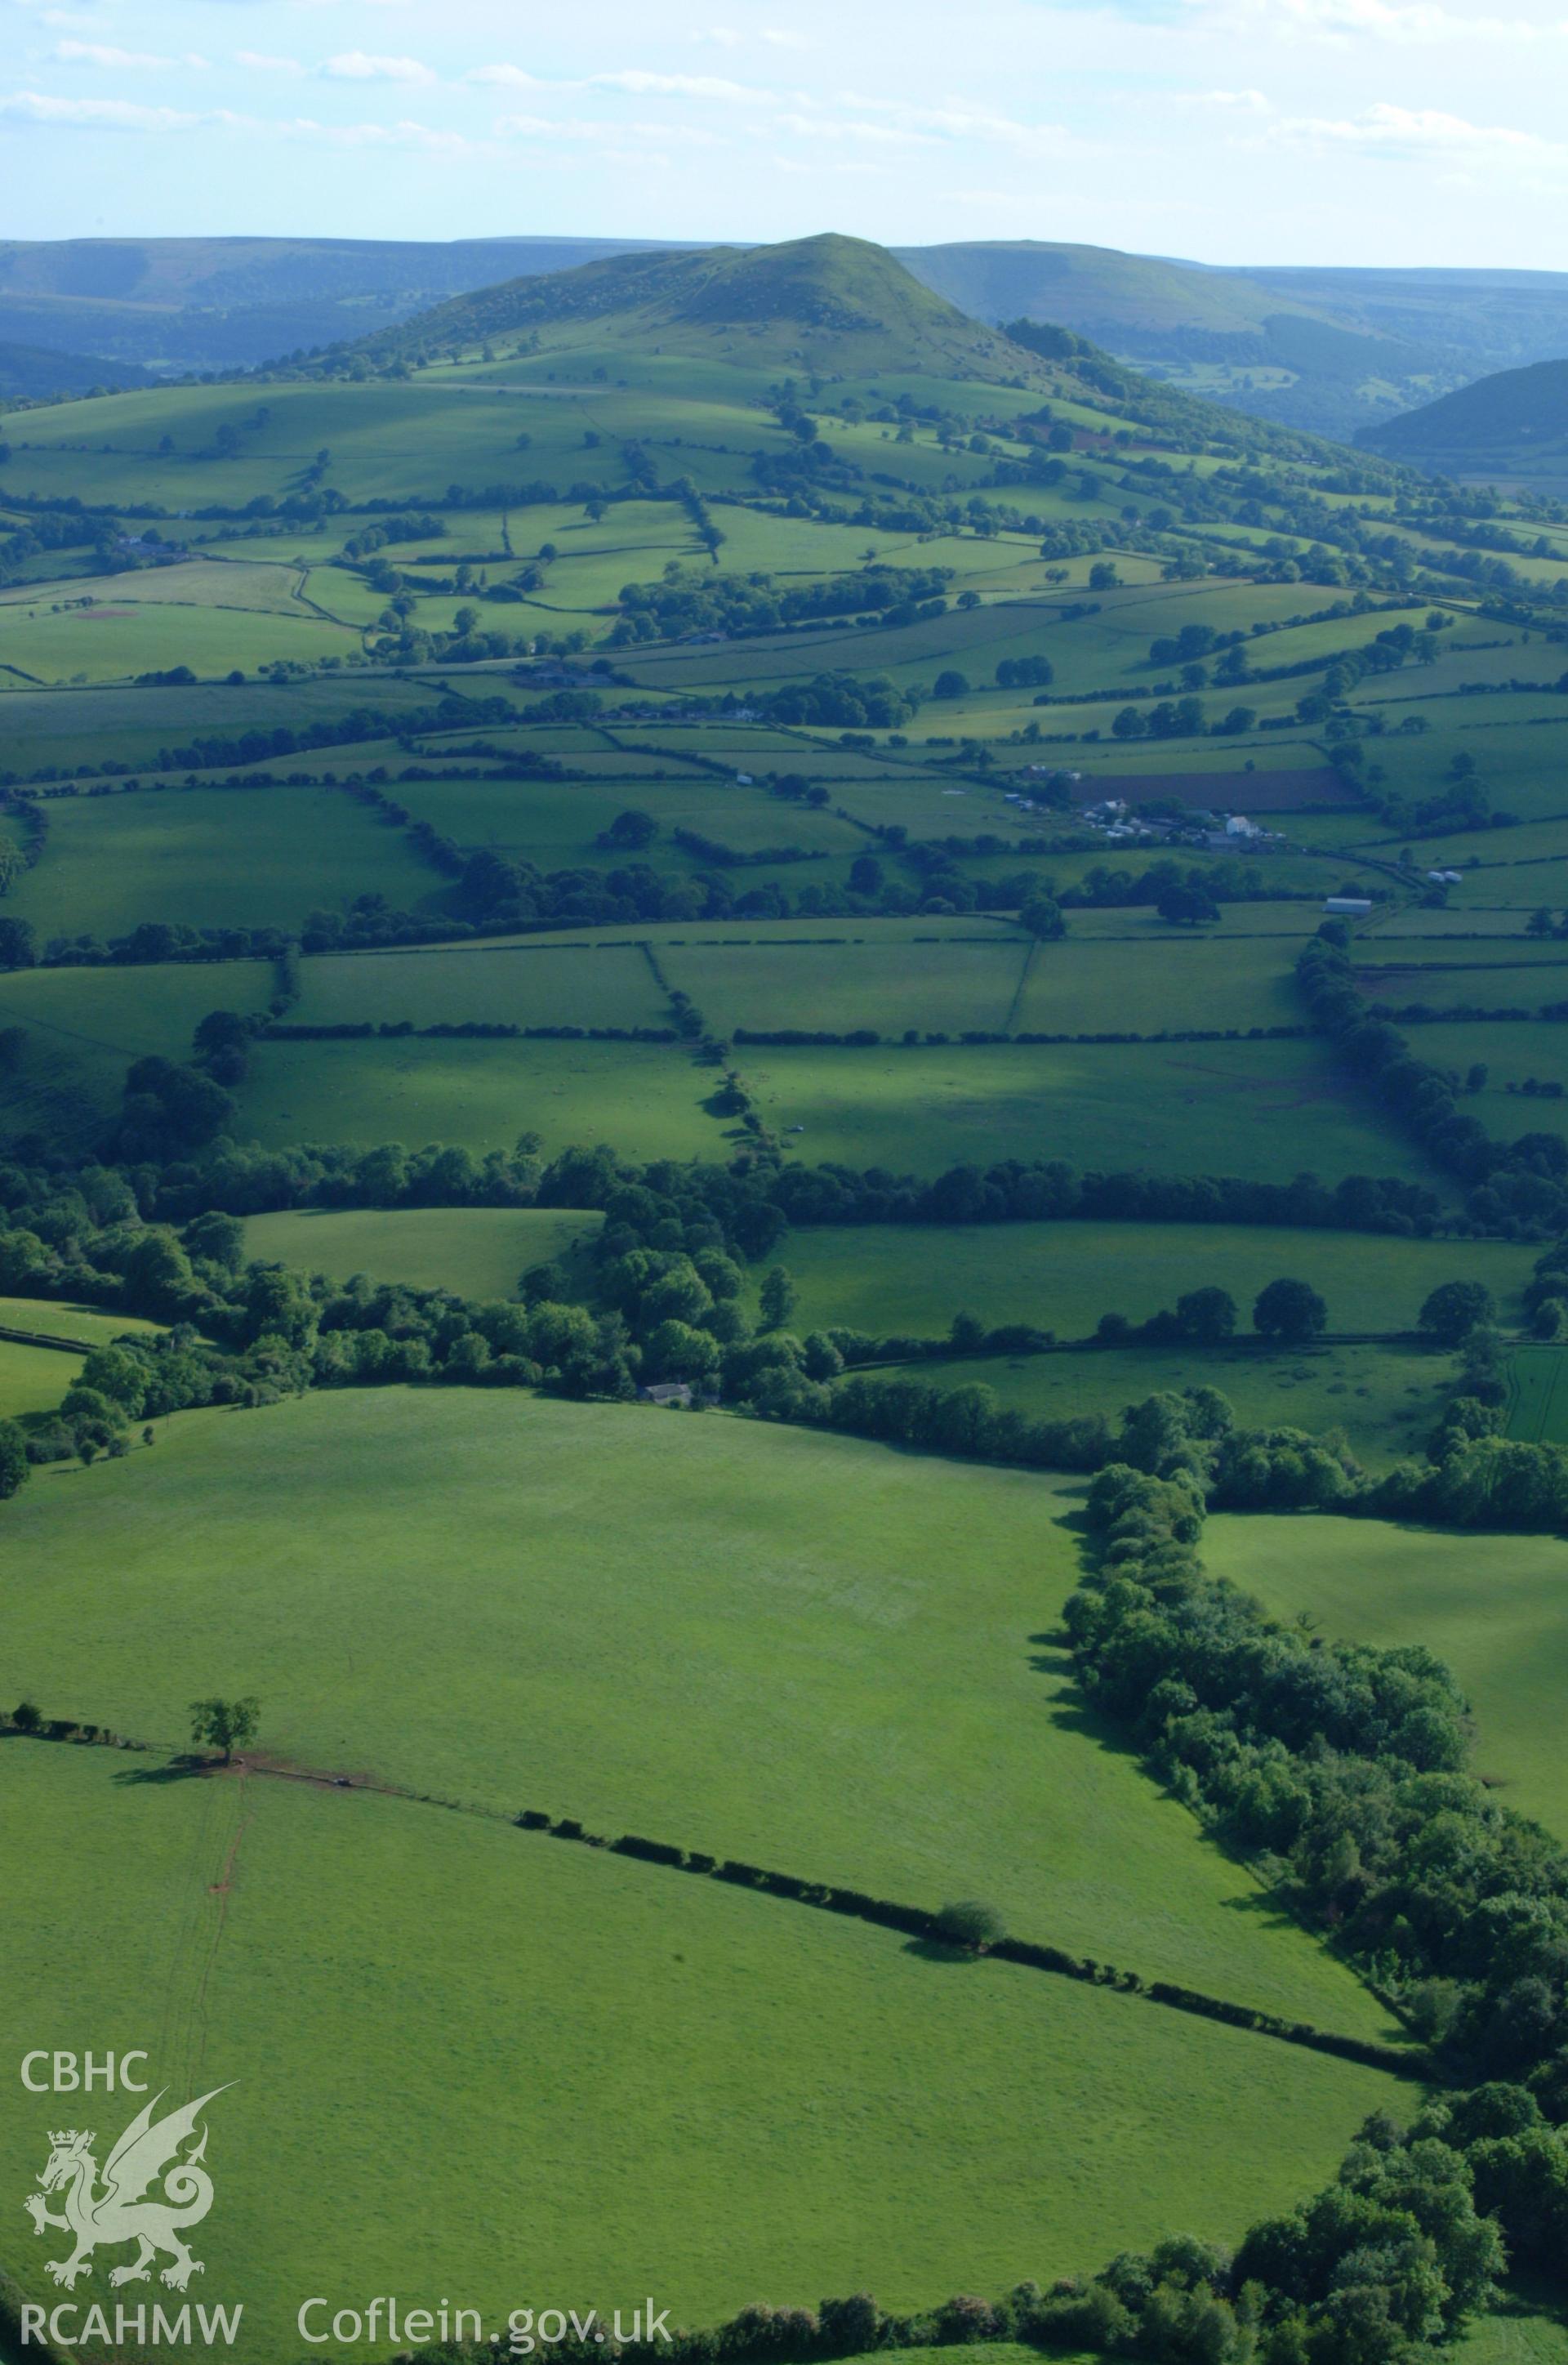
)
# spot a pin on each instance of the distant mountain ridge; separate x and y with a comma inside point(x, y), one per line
point(182, 304)
point(1331, 350)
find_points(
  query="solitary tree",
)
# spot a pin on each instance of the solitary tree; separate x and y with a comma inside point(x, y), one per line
point(1291, 1311)
point(1188, 907)
point(633, 829)
point(1206, 1314)
point(226, 1724)
point(1042, 917)
point(1455, 1309)
point(14, 1467)
point(970, 1924)
point(777, 1297)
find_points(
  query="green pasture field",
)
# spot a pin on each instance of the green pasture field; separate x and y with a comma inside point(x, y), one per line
point(1537, 1398)
point(1527, 987)
point(1521, 887)
point(1298, 912)
point(1493, 1607)
point(389, 440)
point(993, 713)
point(479, 1253)
point(1526, 2330)
point(1144, 978)
point(1158, 979)
point(86, 1026)
point(32, 1379)
point(517, 985)
point(1286, 925)
point(1386, 1399)
point(862, 1627)
point(1261, 1110)
point(1461, 917)
point(1270, 751)
point(1518, 754)
point(929, 804)
point(1359, 827)
point(606, 763)
point(1492, 851)
point(114, 644)
point(914, 1278)
point(559, 822)
point(1378, 953)
point(1512, 1051)
point(212, 858)
point(936, 931)
point(1109, 648)
point(246, 585)
point(62, 1319)
point(643, 1099)
point(820, 2099)
point(347, 599)
point(1464, 657)
point(481, 536)
point(888, 985)
point(131, 724)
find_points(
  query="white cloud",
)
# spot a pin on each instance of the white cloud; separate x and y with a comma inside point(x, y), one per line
point(259, 62)
point(631, 80)
point(512, 77)
point(581, 129)
point(724, 37)
point(668, 85)
point(383, 135)
point(95, 114)
point(1404, 133)
point(960, 123)
point(1242, 102)
point(1404, 21)
point(122, 115)
point(354, 65)
point(101, 53)
point(838, 126)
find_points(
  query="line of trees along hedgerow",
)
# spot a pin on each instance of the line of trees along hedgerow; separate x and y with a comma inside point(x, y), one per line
point(1342, 1770)
point(661, 1297)
point(1520, 1186)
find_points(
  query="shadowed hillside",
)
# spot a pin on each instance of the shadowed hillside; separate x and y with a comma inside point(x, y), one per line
point(1512, 425)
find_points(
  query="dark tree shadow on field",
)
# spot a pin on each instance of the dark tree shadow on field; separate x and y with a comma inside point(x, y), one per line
point(176, 1769)
point(936, 1950)
point(1526, 2294)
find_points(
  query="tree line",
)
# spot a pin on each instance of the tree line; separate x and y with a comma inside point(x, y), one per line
point(1518, 1188)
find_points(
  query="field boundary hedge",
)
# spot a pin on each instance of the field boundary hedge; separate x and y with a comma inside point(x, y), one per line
point(915, 1922)
point(855, 1904)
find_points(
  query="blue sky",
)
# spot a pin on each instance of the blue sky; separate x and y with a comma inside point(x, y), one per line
point(1332, 131)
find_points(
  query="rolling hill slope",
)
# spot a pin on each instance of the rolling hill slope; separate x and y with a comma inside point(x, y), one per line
point(175, 304)
point(1325, 350)
point(1512, 425)
point(38, 374)
point(825, 303)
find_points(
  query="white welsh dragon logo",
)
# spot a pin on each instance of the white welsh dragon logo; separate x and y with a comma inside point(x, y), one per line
point(144, 2154)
